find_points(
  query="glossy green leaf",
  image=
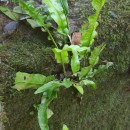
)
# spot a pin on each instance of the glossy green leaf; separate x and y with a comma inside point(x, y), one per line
point(61, 55)
point(85, 71)
point(88, 82)
point(83, 50)
point(33, 23)
point(57, 53)
point(89, 35)
point(64, 56)
point(42, 116)
point(94, 58)
point(12, 15)
point(79, 88)
point(98, 4)
point(49, 113)
point(48, 86)
point(34, 12)
point(75, 63)
point(100, 69)
point(64, 4)
point(52, 85)
point(26, 81)
point(50, 78)
point(43, 108)
point(18, 9)
point(65, 127)
point(57, 13)
point(67, 83)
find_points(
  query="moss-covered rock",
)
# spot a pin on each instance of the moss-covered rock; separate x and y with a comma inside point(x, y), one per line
point(29, 51)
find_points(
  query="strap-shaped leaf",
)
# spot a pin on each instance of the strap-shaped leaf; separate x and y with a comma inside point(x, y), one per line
point(42, 109)
point(57, 53)
point(33, 23)
point(65, 127)
point(79, 88)
point(12, 15)
point(26, 81)
point(42, 116)
point(85, 71)
point(48, 86)
point(89, 35)
point(94, 58)
point(76, 51)
point(57, 13)
point(98, 4)
point(100, 69)
point(35, 13)
point(67, 83)
point(64, 4)
point(88, 82)
point(61, 55)
point(75, 63)
point(52, 85)
point(49, 113)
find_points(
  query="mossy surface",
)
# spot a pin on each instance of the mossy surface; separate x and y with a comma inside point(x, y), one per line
point(106, 108)
point(26, 50)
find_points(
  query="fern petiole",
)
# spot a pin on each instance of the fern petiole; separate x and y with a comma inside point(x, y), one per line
point(51, 38)
point(63, 65)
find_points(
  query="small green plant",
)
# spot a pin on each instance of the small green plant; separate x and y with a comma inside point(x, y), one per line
point(81, 58)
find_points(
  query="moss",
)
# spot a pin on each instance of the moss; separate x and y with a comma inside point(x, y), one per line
point(113, 30)
point(106, 108)
point(25, 51)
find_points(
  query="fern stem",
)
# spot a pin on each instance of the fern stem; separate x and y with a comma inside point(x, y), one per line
point(51, 38)
point(63, 65)
point(85, 57)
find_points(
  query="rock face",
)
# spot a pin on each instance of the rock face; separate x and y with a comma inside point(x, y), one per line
point(29, 51)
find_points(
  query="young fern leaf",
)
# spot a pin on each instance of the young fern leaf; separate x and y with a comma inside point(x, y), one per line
point(79, 88)
point(88, 83)
point(65, 127)
point(75, 62)
point(89, 35)
point(34, 13)
point(12, 15)
point(53, 85)
point(48, 86)
point(57, 13)
point(64, 4)
point(100, 69)
point(30, 81)
point(93, 60)
point(77, 51)
point(42, 116)
point(42, 109)
point(61, 55)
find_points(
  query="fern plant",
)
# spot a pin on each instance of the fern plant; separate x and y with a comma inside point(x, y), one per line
point(81, 74)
